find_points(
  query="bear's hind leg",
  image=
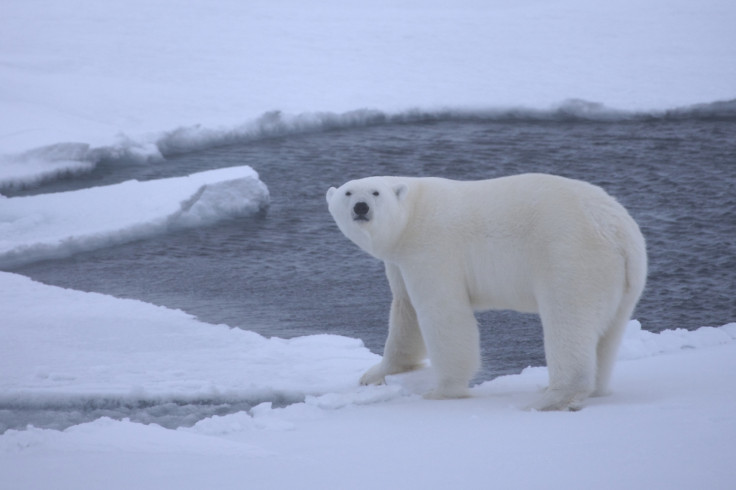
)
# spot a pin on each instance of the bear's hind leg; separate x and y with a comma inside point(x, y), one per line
point(570, 350)
point(608, 348)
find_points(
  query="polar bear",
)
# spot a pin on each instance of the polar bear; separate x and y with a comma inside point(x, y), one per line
point(533, 243)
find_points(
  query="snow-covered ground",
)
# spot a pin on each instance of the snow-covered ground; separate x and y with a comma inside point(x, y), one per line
point(68, 346)
point(669, 423)
point(136, 80)
point(122, 73)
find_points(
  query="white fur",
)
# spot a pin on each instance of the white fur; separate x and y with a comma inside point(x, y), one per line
point(533, 243)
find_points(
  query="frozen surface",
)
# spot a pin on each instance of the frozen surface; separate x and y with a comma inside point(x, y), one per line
point(669, 422)
point(86, 81)
point(115, 74)
point(60, 224)
point(62, 345)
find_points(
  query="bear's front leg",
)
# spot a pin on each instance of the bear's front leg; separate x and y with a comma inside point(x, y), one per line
point(450, 331)
point(454, 360)
point(404, 350)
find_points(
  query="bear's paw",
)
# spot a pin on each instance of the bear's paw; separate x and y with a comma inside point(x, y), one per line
point(374, 376)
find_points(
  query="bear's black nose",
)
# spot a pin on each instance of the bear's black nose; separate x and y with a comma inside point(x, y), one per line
point(361, 209)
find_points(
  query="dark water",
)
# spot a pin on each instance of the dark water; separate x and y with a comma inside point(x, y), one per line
point(291, 272)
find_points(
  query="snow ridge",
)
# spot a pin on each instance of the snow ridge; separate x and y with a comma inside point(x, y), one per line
point(68, 159)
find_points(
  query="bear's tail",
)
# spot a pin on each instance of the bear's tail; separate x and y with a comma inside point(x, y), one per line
point(635, 259)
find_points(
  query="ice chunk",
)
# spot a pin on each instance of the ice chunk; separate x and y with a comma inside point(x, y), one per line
point(58, 225)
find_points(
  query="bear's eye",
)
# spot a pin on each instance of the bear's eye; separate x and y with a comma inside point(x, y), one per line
point(376, 193)
point(348, 193)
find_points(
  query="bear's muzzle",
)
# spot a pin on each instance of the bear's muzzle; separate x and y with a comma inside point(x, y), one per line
point(360, 211)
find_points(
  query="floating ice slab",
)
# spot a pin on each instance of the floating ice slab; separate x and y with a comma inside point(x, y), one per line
point(61, 224)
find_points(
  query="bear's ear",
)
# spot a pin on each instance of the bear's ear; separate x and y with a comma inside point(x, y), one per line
point(401, 190)
point(330, 192)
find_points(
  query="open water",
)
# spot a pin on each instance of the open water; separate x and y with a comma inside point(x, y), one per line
point(290, 272)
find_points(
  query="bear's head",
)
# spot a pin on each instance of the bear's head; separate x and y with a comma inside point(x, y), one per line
point(371, 212)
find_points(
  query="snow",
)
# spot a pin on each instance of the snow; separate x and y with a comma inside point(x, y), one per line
point(129, 70)
point(99, 346)
point(61, 224)
point(84, 81)
point(668, 424)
